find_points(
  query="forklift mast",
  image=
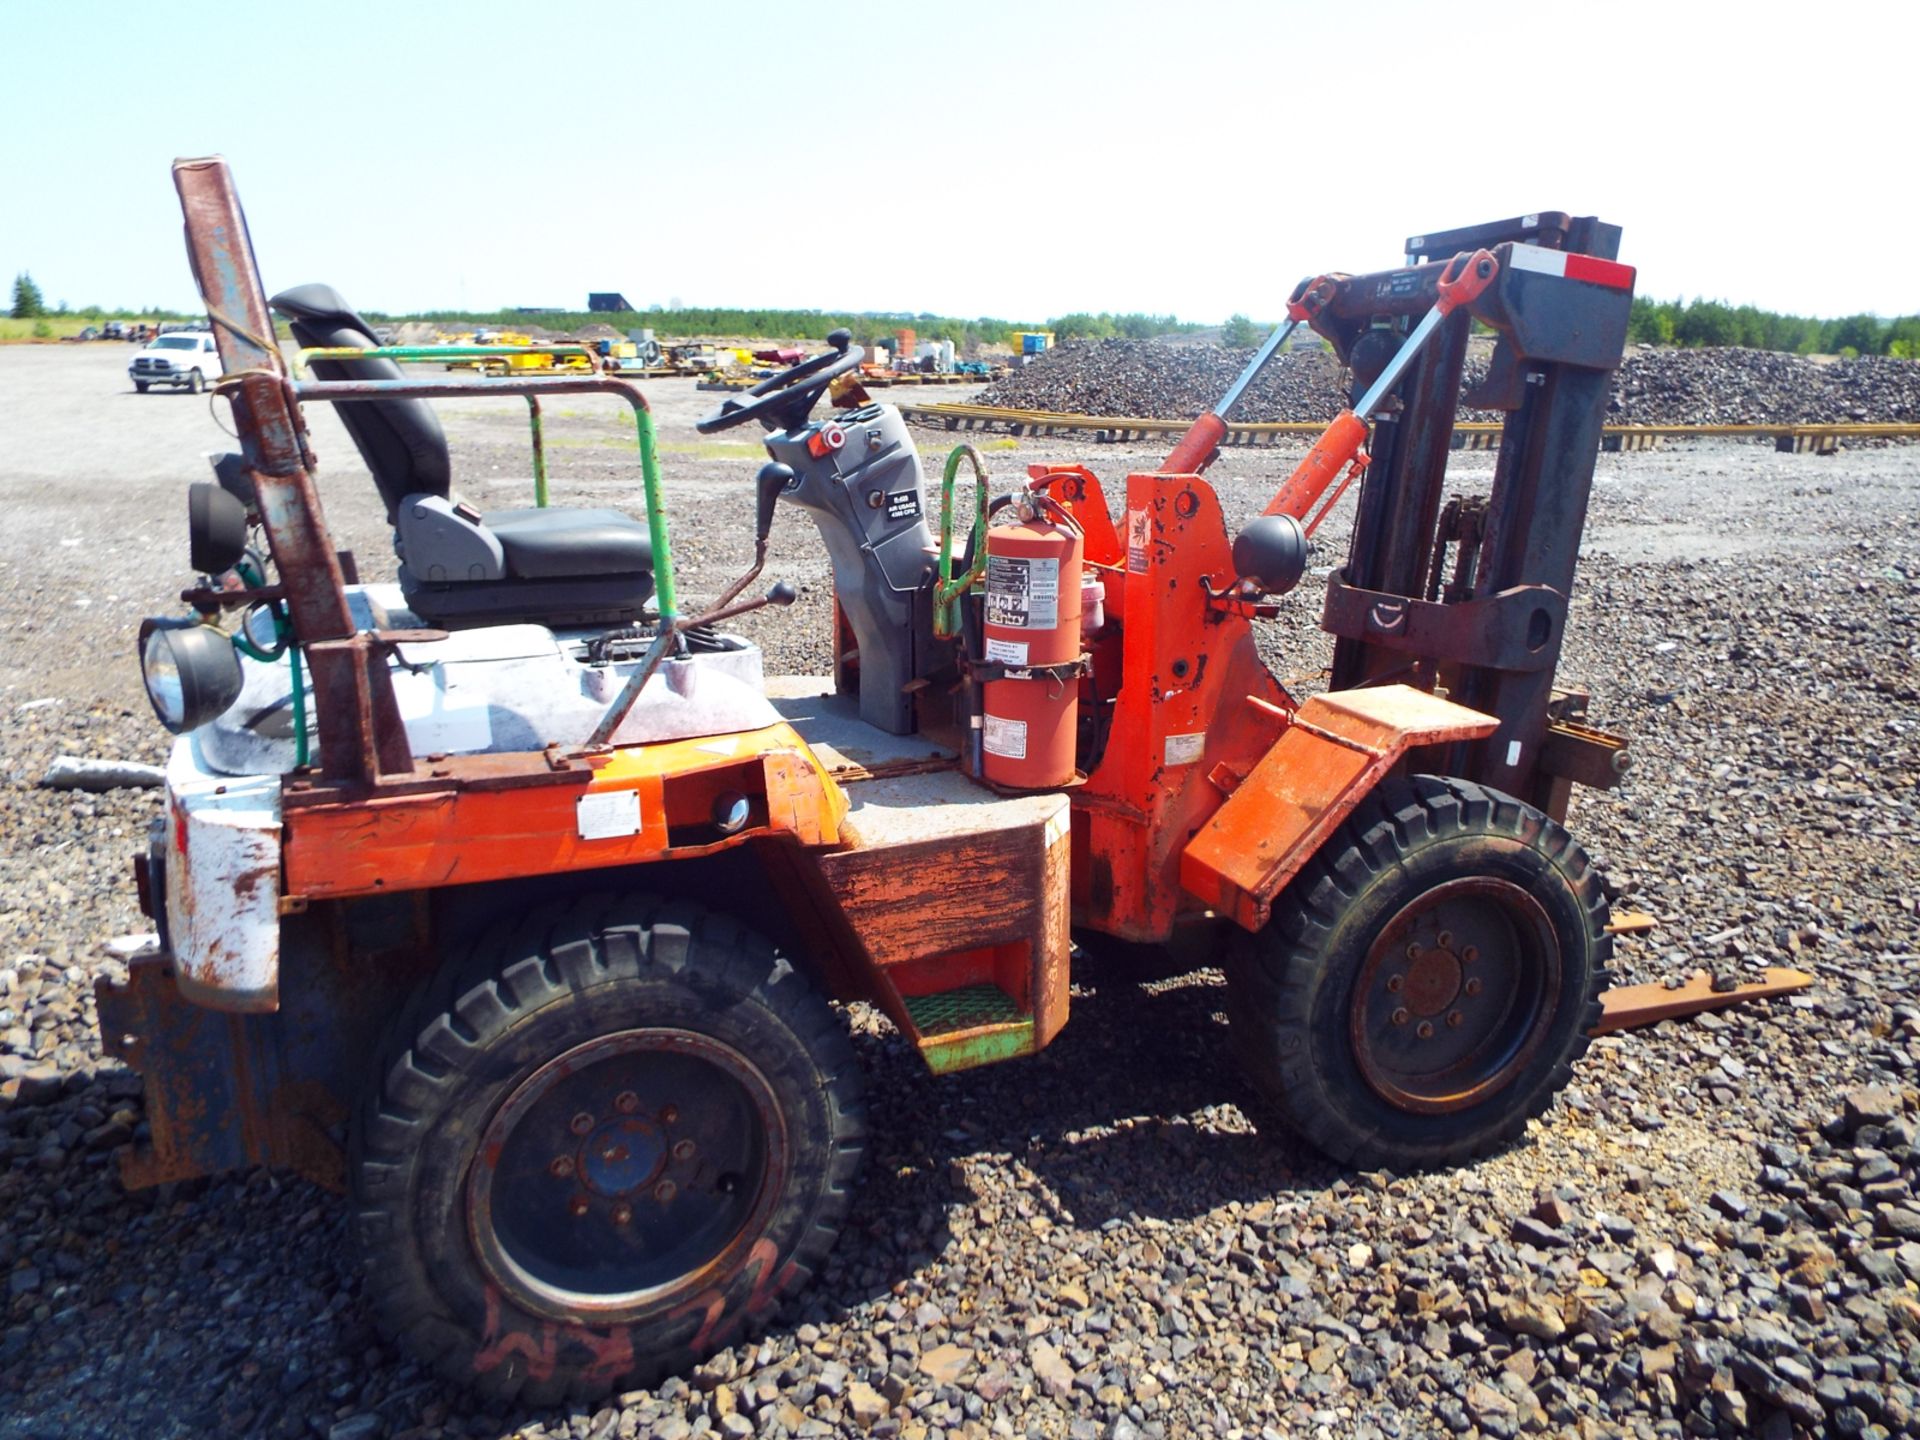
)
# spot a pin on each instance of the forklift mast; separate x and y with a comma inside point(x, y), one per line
point(1472, 597)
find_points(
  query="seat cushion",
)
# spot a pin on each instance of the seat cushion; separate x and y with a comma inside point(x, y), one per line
point(556, 544)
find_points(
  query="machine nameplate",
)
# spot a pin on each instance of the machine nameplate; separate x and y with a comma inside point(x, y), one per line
point(608, 814)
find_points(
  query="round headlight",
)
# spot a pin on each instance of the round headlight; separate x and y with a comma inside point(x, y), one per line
point(216, 528)
point(192, 672)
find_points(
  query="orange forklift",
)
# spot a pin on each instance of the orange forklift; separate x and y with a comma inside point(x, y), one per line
point(510, 897)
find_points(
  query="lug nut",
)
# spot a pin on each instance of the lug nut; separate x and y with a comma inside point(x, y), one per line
point(622, 1213)
point(665, 1191)
point(1394, 982)
point(670, 1114)
point(582, 1123)
point(578, 1206)
point(1446, 939)
point(561, 1167)
point(1470, 954)
point(1425, 1032)
point(626, 1102)
point(683, 1150)
point(1400, 1016)
point(1413, 950)
point(1473, 986)
point(1454, 1020)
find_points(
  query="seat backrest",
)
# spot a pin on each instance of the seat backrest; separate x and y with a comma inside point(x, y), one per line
point(399, 439)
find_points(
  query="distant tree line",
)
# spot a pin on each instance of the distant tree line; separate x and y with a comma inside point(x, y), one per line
point(1696, 323)
point(868, 327)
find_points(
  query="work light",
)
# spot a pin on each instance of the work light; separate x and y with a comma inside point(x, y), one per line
point(190, 669)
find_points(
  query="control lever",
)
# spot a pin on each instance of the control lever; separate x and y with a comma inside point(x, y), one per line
point(772, 481)
point(784, 592)
point(768, 485)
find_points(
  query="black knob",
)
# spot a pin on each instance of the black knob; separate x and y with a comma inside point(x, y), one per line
point(784, 592)
point(840, 339)
point(773, 478)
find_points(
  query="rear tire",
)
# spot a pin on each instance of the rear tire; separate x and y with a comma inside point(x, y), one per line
point(1427, 981)
point(540, 1111)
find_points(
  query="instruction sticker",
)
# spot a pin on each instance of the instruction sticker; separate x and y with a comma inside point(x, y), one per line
point(1185, 749)
point(608, 815)
point(1006, 738)
point(1139, 532)
point(1006, 652)
point(903, 504)
point(1023, 592)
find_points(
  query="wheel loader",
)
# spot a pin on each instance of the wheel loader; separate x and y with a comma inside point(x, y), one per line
point(513, 898)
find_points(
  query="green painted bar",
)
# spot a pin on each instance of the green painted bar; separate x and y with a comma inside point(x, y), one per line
point(656, 515)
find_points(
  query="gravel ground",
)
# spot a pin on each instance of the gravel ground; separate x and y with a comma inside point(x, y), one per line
point(1716, 1231)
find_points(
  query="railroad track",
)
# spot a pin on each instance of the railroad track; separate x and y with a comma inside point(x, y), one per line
point(1467, 435)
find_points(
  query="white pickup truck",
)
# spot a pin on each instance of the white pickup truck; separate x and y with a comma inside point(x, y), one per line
point(185, 357)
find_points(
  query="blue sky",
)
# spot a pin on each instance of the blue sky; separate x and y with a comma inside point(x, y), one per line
point(1006, 159)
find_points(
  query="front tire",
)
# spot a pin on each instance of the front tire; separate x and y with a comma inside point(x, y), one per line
point(606, 1147)
point(196, 383)
point(1427, 981)
point(140, 386)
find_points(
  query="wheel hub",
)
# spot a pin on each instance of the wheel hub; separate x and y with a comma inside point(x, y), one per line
point(1456, 995)
point(622, 1156)
point(625, 1173)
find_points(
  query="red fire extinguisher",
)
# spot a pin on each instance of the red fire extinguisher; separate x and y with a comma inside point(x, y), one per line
point(1031, 707)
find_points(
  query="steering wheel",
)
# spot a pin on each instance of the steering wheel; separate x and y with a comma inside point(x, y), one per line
point(784, 401)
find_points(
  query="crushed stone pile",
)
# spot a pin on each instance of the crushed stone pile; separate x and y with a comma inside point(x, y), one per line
point(1150, 380)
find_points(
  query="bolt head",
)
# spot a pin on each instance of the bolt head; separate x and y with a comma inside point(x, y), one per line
point(683, 1150)
point(581, 1123)
point(626, 1102)
point(1413, 950)
point(1473, 986)
point(622, 1213)
point(665, 1191)
point(670, 1114)
point(1425, 1030)
point(1395, 983)
point(1470, 954)
point(561, 1167)
point(578, 1206)
point(1401, 1016)
point(1454, 1020)
point(1446, 939)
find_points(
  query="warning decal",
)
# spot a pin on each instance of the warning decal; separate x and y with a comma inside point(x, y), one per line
point(1005, 738)
point(1006, 652)
point(1023, 593)
point(1138, 533)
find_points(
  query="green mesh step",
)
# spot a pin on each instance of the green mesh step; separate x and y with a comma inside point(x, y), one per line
point(967, 1008)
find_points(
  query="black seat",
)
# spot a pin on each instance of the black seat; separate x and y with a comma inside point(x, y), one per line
point(459, 567)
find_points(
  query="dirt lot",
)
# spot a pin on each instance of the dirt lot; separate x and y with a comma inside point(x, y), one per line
point(1109, 1240)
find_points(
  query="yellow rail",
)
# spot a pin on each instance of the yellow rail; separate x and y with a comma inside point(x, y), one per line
point(1124, 427)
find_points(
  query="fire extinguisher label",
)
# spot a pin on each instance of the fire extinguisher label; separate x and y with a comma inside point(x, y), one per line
point(1005, 738)
point(1023, 593)
point(1006, 652)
